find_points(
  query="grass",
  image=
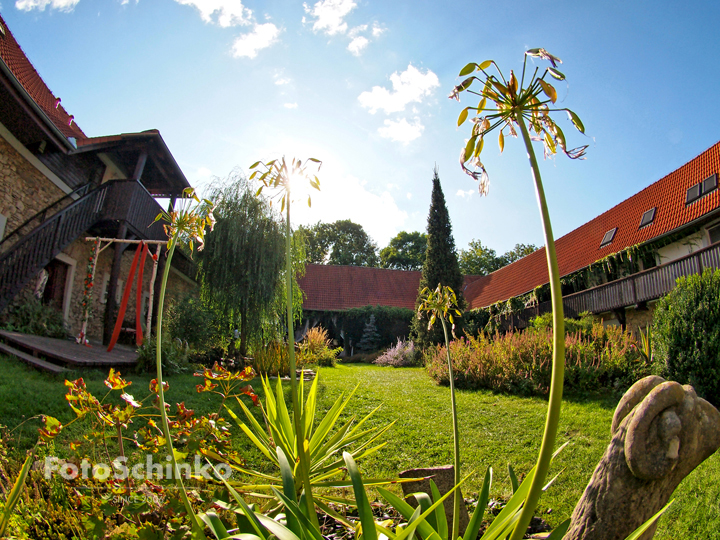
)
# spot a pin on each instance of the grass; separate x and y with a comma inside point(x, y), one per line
point(495, 430)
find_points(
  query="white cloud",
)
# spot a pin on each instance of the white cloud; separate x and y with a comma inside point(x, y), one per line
point(377, 30)
point(291, 105)
point(401, 131)
point(261, 37)
point(40, 5)
point(330, 15)
point(347, 197)
point(409, 195)
point(469, 193)
point(222, 12)
point(357, 45)
point(411, 85)
point(280, 81)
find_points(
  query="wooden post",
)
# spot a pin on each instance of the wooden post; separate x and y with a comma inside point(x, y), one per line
point(82, 338)
point(156, 262)
point(111, 304)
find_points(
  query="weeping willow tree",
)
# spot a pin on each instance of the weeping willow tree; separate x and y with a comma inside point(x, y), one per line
point(243, 261)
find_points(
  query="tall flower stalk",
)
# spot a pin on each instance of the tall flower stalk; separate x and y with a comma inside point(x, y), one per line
point(512, 104)
point(185, 224)
point(440, 304)
point(279, 176)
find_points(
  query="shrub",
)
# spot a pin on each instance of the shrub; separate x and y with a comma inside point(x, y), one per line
point(175, 356)
point(521, 363)
point(402, 354)
point(28, 315)
point(272, 359)
point(583, 324)
point(687, 334)
point(193, 322)
point(315, 349)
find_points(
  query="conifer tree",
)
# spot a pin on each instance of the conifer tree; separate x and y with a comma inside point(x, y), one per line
point(371, 338)
point(440, 267)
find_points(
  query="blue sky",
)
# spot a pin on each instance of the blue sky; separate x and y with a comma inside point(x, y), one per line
point(363, 86)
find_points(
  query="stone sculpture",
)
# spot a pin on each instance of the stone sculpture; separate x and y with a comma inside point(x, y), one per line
point(660, 432)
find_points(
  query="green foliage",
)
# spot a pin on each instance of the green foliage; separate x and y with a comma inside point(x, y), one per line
point(242, 261)
point(272, 359)
point(340, 243)
point(406, 251)
point(480, 260)
point(585, 323)
point(327, 438)
point(194, 322)
point(391, 323)
point(28, 315)
point(521, 363)
point(440, 267)
point(687, 334)
point(315, 349)
point(370, 340)
point(175, 356)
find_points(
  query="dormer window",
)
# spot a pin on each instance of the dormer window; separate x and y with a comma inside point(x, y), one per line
point(647, 218)
point(701, 189)
point(608, 238)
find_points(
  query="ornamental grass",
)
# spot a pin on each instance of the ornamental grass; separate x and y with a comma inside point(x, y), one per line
point(521, 362)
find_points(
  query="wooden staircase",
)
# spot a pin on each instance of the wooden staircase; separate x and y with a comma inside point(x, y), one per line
point(21, 262)
point(31, 360)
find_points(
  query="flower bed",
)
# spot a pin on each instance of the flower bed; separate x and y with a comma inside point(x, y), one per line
point(521, 362)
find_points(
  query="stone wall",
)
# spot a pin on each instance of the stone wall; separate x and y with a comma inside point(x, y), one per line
point(81, 250)
point(24, 191)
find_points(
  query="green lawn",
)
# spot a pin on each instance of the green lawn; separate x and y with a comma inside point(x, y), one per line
point(495, 430)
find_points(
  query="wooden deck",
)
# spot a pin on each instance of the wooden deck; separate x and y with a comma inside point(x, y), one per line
point(67, 352)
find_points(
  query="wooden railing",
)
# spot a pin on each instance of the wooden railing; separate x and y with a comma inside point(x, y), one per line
point(28, 225)
point(629, 291)
point(117, 200)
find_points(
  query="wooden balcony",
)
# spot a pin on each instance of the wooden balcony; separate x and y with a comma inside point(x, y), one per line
point(629, 291)
point(129, 201)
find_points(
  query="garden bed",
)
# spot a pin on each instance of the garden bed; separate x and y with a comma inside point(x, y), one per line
point(495, 429)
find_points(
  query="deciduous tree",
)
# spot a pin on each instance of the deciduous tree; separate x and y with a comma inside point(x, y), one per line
point(243, 259)
point(340, 243)
point(406, 251)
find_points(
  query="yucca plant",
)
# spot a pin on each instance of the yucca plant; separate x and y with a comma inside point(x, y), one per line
point(326, 439)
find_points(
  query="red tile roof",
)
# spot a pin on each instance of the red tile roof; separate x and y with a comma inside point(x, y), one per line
point(336, 288)
point(14, 58)
point(581, 247)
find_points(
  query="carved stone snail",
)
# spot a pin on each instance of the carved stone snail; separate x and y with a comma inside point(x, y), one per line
point(660, 432)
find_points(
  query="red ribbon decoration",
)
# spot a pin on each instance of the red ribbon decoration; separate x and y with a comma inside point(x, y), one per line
point(125, 298)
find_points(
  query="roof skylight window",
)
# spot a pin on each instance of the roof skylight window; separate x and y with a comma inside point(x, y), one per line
point(709, 184)
point(608, 238)
point(647, 218)
point(701, 189)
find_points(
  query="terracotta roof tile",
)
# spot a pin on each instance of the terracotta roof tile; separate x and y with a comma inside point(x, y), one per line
point(581, 247)
point(336, 288)
point(14, 58)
